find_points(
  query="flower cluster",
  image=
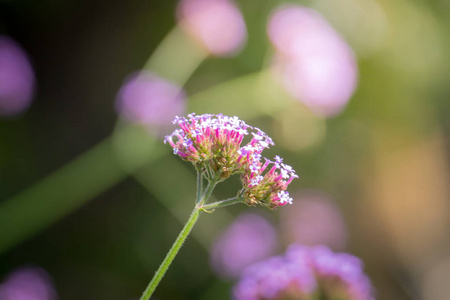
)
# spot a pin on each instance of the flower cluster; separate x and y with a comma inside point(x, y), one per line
point(305, 273)
point(216, 25)
point(17, 80)
point(148, 99)
point(313, 61)
point(213, 144)
point(250, 238)
point(28, 283)
point(269, 188)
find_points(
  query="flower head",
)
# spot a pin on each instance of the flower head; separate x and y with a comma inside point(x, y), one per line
point(148, 99)
point(17, 79)
point(314, 219)
point(214, 143)
point(314, 63)
point(30, 283)
point(250, 238)
point(275, 278)
point(303, 272)
point(272, 183)
point(217, 25)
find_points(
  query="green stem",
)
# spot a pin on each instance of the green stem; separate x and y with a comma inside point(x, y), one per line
point(183, 234)
point(171, 254)
point(209, 189)
point(222, 203)
point(200, 174)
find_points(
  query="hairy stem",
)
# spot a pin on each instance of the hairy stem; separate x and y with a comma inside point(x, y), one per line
point(171, 254)
point(199, 185)
point(202, 197)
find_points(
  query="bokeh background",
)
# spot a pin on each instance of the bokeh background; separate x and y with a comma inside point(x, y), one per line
point(90, 203)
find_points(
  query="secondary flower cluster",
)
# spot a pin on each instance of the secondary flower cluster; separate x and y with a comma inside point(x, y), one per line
point(213, 144)
point(305, 273)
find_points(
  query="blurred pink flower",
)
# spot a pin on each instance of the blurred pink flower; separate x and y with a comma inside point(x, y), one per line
point(16, 78)
point(248, 239)
point(313, 219)
point(313, 61)
point(150, 100)
point(29, 283)
point(217, 25)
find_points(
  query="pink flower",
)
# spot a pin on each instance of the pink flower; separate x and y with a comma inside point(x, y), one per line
point(305, 273)
point(17, 79)
point(313, 220)
point(213, 144)
point(217, 25)
point(248, 239)
point(150, 100)
point(314, 63)
point(29, 283)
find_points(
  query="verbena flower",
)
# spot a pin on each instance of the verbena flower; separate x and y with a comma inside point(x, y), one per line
point(148, 99)
point(30, 283)
point(314, 219)
point(276, 278)
point(250, 238)
point(312, 60)
point(217, 25)
point(214, 143)
point(17, 81)
point(305, 273)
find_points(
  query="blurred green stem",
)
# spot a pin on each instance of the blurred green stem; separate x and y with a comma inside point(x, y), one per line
point(58, 194)
point(170, 62)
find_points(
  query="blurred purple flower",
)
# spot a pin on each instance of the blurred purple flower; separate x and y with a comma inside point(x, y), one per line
point(29, 283)
point(313, 219)
point(340, 275)
point(217, 25)
point(313, 61)
point(275, 278)
point(17, 79)
point(305, 272)
point(249, 239)
point(150, 100)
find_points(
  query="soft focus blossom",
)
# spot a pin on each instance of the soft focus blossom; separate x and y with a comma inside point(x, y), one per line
point(213, 144)
point(276, 278)
point(17, 79)
point(150, 100)
point(340, 275)
point(313, 220)
point(248, 239)
point(305, 273)
point(313, 61)
point(217, 25)
point(28, 284)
